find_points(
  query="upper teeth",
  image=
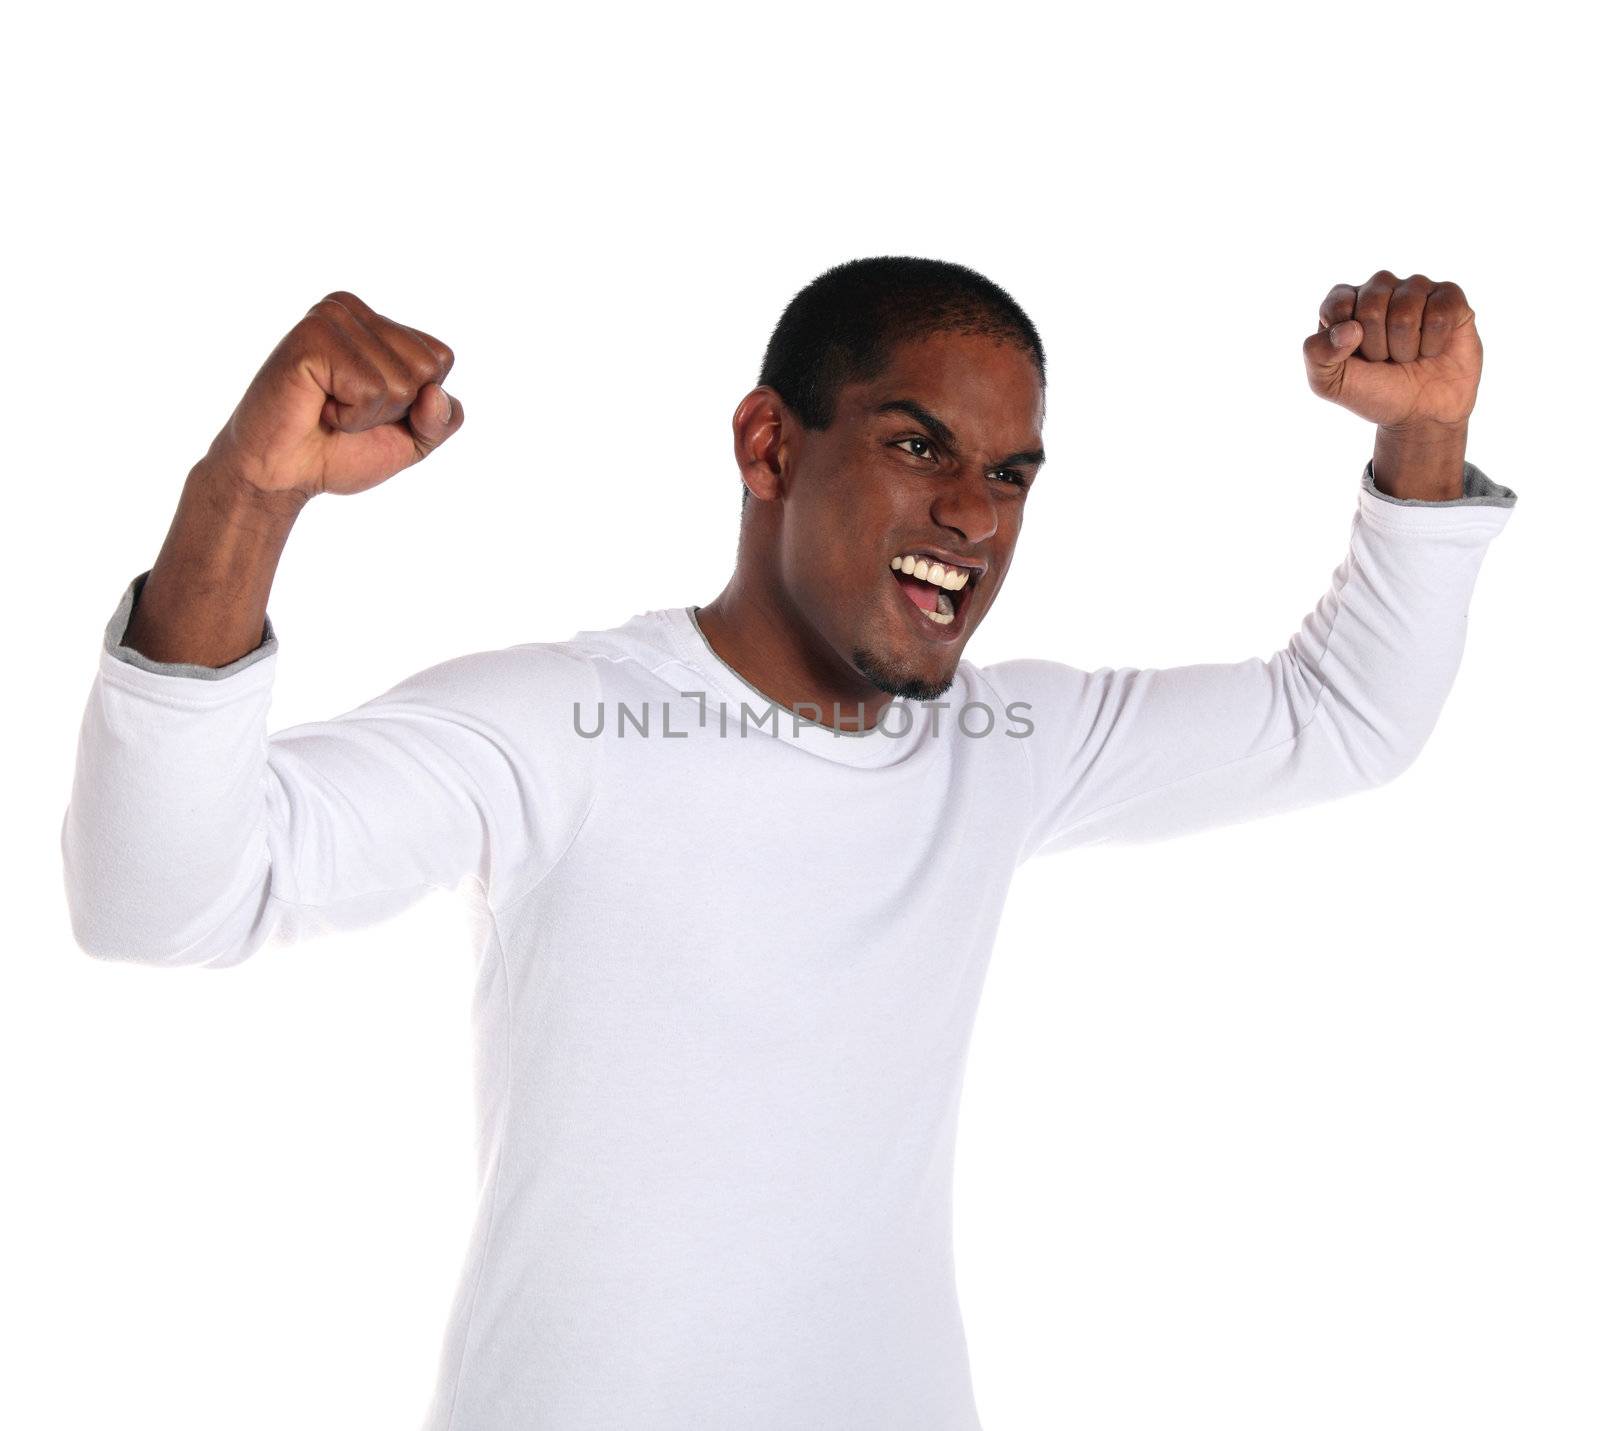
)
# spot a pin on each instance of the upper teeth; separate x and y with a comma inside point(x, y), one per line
point(951, 578)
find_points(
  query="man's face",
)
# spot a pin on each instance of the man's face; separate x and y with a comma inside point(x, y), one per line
point(931, 459)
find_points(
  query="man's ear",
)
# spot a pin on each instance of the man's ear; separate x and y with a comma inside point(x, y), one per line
point(763, 433)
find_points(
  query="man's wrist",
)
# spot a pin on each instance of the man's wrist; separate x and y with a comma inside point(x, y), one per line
point(1424, 461)
point(204, 600)
point(239, 500)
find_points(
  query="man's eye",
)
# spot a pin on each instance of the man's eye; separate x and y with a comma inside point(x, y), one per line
point(923, 440)
point(1010, 474)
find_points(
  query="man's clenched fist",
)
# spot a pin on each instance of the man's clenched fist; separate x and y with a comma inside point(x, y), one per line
point(347, 399)
point(1403, 353)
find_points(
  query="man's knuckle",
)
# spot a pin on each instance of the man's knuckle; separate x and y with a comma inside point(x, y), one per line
point(319, 335)
point(366, 387)
point(335, 316)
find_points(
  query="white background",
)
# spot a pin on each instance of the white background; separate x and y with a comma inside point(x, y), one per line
point(1291, 1124)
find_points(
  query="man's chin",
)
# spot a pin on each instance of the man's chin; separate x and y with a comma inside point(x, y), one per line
point(897, 679)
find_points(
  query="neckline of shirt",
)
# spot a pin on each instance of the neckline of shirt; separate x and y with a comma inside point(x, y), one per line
point(876, 746)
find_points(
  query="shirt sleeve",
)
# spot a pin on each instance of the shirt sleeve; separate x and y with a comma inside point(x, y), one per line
point(193, 836)
point(1129, 756)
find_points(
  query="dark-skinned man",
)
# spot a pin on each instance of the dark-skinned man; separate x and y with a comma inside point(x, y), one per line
point(738, 866)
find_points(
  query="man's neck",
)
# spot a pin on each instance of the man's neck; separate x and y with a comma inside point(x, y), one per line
point(755, 632)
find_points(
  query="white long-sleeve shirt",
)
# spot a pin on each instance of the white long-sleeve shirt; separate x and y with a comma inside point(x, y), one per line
point(725, 985)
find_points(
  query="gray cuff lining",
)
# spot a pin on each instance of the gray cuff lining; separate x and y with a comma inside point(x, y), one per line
point(1477, 491)
point(117, 628)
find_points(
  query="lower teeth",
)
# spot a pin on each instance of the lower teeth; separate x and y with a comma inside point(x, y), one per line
point(946, 612)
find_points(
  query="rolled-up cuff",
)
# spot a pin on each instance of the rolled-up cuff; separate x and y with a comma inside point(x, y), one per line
point(1476, 491)
point(117, 628)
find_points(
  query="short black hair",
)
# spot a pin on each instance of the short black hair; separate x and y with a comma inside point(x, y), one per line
point(843, 325)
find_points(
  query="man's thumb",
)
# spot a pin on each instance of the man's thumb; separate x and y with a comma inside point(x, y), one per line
point(1326, 352)
point(434, 416)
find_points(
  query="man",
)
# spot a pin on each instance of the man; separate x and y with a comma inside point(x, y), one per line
point(738, 866)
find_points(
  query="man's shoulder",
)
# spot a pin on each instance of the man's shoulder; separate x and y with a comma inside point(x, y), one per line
point(544, 667)
point(576, 667)
point(489, 682)
point(637, 647)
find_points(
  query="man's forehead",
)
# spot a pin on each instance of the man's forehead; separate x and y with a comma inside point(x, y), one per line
point(970, 382)
point(971, 411)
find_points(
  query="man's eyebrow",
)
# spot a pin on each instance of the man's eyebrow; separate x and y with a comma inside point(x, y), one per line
point(922, 415)
point(912, 408)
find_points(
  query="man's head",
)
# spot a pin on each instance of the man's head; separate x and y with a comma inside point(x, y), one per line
point(898, 414)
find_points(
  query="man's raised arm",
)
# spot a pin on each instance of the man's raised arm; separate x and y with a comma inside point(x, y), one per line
point(347, 399)
point(1129, 755)
point(191, 835)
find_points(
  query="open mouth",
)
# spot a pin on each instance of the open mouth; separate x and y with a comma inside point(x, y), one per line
point(939, 589)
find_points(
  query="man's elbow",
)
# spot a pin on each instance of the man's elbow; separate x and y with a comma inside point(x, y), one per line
point(1380, 742)
point(101, 934)
point(120, 916)
point(112, 940)
point(113, 929)
point(111, 947)
point(1399, 757)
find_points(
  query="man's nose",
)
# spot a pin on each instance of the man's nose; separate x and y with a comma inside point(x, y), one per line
point(965, 503)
